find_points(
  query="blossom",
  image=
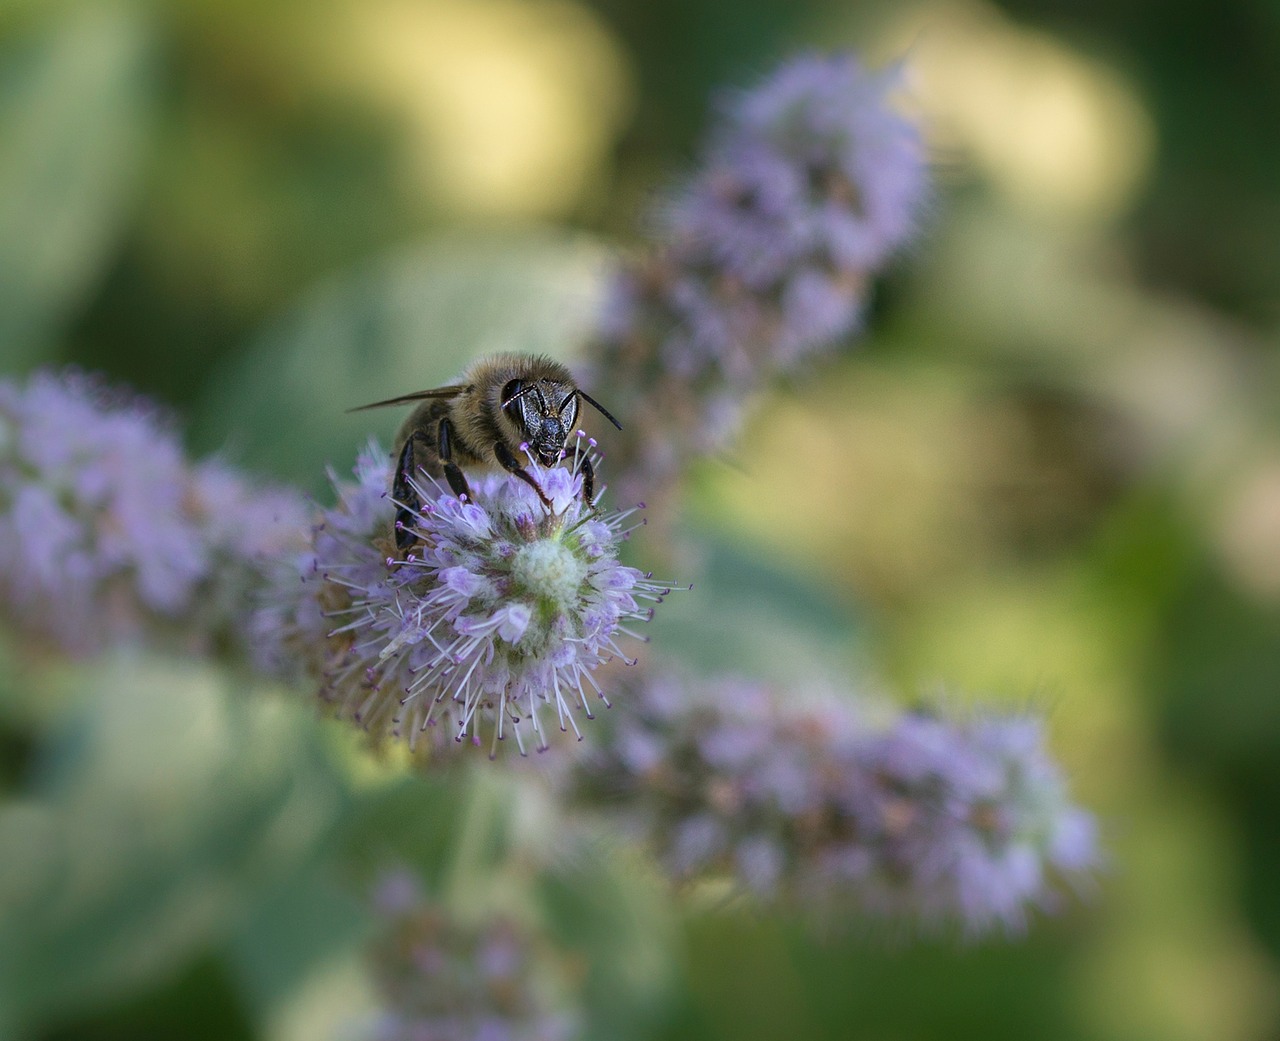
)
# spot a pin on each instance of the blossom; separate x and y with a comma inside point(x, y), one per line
point(967, 819)
point(807, 186)
point(920, 818)
point(810, 183)
point(443, 977)
point(499, 615)
point(108, 533)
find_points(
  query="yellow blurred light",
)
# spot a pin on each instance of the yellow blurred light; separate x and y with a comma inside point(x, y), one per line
point(337, 1000)
point(366, 767)
point(1248, 531)
point(894, 479)
point(1055, 131)
point(509, 106)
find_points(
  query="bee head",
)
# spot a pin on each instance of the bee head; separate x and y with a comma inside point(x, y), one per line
point(543, 411)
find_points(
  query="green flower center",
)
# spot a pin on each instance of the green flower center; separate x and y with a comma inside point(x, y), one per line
point(550, 571)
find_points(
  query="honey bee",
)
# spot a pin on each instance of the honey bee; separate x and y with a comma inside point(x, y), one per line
point(501, 406)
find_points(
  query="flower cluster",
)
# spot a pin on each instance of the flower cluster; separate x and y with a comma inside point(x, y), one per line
point(446, 979)
point(497, 619)
point(107, 533)
point(808, 185)
point(500, 614)
point(921, 818)
point(966, 818)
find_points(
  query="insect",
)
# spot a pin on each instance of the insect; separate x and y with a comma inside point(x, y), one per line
point(502, 405)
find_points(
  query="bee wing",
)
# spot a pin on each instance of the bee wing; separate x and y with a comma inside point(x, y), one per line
point(418, 395)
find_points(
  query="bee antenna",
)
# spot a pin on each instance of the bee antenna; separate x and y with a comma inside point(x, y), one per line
point(598, 407)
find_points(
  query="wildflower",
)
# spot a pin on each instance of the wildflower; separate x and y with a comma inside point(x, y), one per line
point(922, 819)
point(449, 979)
point(808, 185)
point(107, 533)
point(499, 616)
point(966, 820)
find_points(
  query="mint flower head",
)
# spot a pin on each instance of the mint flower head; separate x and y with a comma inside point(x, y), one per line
point(809, 184)
point(917, 818)
point(762, 259)
point(968, 820)
point(497, 618)
point(109, 534)
point(444, 977)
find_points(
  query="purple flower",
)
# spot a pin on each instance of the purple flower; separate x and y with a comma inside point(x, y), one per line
point(861, 165)
point(443, 977)
point(969, 820)
point(499, 617)
point(108, 534)
point(920, 818)
point(808, 184)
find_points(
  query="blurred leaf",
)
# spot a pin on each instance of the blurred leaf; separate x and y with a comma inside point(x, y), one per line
point(16, 724)
point(160, 808)
point(858, 984)
point(1218, 673)
point(415, 823)
point(73, 114)
point(748, 615)
point(199, 1004)
point(302, 923)
point(604, 903)
point(401, 323)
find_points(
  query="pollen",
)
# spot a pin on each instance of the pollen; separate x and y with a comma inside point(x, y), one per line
point(514, 601)
point(549, 570)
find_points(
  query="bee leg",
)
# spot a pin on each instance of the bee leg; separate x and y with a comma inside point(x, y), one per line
point(512, 465)
point(402, 491)
point(452, 472)
point(588, 481)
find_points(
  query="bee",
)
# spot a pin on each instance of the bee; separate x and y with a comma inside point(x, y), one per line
point(501, 406)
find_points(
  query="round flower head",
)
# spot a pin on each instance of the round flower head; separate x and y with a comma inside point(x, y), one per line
point(497, 617)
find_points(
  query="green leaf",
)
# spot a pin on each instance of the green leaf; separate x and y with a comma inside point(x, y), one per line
point(160, 807)
point(398, 324)
point(73, 123)
point(302, 923)
point(749, 616)
point(605, 904)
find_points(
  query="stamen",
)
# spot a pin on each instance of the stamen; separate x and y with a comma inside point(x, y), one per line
point(457, 652)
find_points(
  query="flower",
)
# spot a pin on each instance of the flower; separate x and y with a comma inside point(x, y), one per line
point(500, 614)
point(446, 978)
point(809, 183)
point(108, 534)
point(968, 819)
point(919, 818)
point(833, 167)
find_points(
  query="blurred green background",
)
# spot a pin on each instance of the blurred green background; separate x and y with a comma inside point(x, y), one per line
point(1049, 475)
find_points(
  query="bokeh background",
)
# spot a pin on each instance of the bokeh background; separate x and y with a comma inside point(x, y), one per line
point(1049, 475)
